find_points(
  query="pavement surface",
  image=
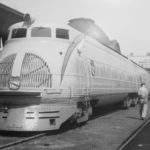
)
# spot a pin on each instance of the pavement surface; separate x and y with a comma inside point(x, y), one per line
point(102, 132)
point(141, 141)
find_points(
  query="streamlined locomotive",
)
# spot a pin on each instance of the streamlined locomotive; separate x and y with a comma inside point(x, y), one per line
point(52, 73)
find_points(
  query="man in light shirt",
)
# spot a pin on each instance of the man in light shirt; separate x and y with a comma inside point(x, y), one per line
point(143, 100)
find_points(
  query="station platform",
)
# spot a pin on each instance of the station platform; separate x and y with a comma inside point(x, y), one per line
point(115, 128)
point(110, 131)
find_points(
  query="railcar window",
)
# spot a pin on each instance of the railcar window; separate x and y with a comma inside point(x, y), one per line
point(62, 33)
point(19, 33)
point(41, 32)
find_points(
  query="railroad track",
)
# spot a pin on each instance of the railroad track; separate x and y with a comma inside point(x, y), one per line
point(20, 141)
point(134, 134)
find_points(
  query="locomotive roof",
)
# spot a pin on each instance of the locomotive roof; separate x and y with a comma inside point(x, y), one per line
point(49, 24)
point(38, 24)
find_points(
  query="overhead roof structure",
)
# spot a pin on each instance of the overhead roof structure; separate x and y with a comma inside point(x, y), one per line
point(8, 16)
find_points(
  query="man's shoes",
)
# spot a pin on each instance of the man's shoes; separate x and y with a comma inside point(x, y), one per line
point(142, 118)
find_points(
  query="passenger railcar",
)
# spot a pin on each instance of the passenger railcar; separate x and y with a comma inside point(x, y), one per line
point(50, 74)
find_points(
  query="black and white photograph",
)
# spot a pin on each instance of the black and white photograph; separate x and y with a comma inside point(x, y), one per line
point(74, 74)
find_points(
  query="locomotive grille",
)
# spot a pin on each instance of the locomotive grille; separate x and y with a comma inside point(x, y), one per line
point(35, 73)
point(5, 70)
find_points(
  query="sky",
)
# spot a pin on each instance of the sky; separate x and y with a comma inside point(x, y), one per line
point(127, 21)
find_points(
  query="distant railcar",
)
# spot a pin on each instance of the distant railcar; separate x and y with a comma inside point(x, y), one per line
point(50, 74)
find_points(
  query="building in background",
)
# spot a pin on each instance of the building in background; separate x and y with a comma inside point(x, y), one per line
point(142, 60)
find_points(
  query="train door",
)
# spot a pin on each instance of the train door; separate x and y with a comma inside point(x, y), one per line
point(86, 76)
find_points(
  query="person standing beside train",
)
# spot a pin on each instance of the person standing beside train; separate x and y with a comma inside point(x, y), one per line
point(143, 101)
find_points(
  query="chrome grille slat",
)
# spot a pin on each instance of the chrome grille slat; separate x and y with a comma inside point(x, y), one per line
point(35, 73)
point(5, 70)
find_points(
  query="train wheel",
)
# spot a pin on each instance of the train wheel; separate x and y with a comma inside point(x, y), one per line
point(90, 111)
point(83, 117)
point(135, 101)
point(127, 103)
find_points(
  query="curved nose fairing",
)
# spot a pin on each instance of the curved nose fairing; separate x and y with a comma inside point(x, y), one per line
point(34, 73)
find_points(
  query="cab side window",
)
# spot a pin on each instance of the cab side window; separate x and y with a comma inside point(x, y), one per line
point(62, 33)
point(19, 33)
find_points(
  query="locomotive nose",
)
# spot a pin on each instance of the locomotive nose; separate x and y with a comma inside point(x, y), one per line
point(27, 71)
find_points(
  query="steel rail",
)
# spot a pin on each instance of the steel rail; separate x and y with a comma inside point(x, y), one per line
point(134, 134)
point(9, 145)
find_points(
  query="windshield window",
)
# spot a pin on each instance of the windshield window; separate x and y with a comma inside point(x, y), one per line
point(19, 33)
point(41, 32)
point(62, 33)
